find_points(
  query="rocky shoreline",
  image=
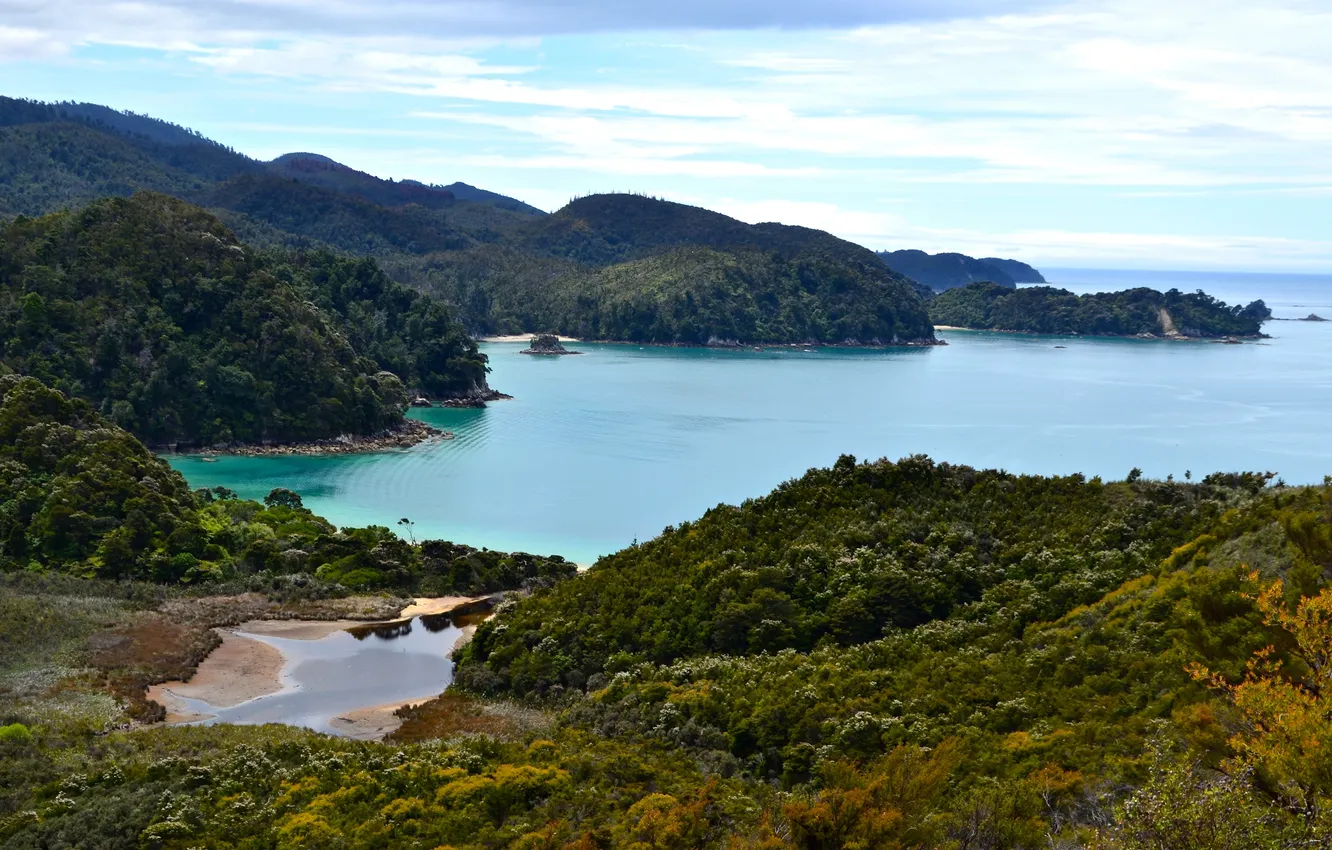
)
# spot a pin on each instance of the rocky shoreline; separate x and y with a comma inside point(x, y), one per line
point(413, 432)
point(472, 400)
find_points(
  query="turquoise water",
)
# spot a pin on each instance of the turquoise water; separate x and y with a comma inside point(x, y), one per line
point(600, 449)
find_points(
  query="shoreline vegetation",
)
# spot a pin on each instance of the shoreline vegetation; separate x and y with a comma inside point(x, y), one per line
point(1140, 313)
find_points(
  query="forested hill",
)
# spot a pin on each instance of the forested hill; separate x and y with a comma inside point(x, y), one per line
point(1019, 271)
point(58, 155)
point(151, 310)
point(1044, 625)
point(627, 267)
point(606, 267)
point(1133, 312)
point(945, 271)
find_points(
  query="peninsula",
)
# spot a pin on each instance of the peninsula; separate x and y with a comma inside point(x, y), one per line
point(1132, 313)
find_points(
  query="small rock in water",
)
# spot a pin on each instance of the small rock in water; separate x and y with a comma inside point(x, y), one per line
point(547, 344)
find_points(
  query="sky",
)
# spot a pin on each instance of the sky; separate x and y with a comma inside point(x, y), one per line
point(1170, 134)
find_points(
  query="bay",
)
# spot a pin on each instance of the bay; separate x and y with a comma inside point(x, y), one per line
point(610, 446)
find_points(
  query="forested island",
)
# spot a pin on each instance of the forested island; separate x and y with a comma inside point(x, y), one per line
point(1134, 312)
point(637, 269)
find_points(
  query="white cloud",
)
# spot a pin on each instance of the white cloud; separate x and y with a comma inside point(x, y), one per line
point(83, 20)
point(21, 43)
point(1160, 101)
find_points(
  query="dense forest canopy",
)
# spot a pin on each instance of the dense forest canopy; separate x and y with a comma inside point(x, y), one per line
point(1077, 664)
point(626, 267)
point(150, 309)
point(1133, 312)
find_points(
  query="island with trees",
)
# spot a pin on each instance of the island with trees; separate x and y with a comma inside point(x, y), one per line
point(1138, 312)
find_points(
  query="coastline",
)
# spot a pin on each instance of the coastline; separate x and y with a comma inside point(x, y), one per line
point(1148, 337)
point(238, 670)
point(751, 346)
point(413, 432)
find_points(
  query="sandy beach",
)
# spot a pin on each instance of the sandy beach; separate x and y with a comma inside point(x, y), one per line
point(241, 669)
point(522, 338)
point(425, 605)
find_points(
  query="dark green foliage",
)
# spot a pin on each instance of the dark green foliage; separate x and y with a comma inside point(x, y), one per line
point(322, 171)
point(946, 271)
point(464, 192)
point(606, 266)
point(79, 494)
point(624, 267)
point(284, 207)
point(409, 334)
point(152, 311)
point(68, 154)
point(1133, 312)
point(1046, 622)
point(45, 167)
point(846, 555)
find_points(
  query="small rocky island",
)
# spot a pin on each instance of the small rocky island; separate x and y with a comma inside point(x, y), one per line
point(548, 344)
point(1312, 317)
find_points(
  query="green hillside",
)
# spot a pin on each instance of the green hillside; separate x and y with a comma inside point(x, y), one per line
point(941, 272)
point(606, 266)
point(1133, 312)
point(151, 310)
point(626, 267)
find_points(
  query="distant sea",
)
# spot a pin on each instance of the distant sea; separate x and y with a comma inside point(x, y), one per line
point(598, 450)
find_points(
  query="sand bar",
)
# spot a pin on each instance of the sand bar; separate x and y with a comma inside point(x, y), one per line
point(241, 669)
point(297, 629)
point(426, 605)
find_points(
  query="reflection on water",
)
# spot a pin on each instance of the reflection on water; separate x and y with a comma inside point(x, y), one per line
point(359, 667)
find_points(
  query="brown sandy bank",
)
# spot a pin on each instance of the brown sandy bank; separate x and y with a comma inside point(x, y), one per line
point(426, 605)
point(240, 669)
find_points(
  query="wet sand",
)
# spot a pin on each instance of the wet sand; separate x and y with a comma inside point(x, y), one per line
point(240, 669)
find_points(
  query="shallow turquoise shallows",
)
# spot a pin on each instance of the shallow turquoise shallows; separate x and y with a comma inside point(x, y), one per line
point(612, 445)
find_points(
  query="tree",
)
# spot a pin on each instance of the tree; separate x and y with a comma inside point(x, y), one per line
point(1285, 739)
point(281, 497)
